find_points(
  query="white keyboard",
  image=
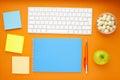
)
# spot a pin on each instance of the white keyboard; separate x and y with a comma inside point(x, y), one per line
point(60, 20)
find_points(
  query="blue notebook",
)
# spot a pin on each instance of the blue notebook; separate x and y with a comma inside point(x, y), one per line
point(57, 55)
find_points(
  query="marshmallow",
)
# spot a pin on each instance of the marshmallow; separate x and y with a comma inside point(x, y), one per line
point(112, 18)
point(111, 29)
point(109, 16)
point(106, 30)
point(105, 16)
point(108, 27)
point(108, 19)
point(100, 28)
point(101, 22)
point(112, 23)
point(103, 27)
point(100, 18)
point(114, 26)
point(106, 23)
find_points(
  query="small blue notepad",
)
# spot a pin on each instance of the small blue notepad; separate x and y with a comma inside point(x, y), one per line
point(12, 20)
point(57, 55)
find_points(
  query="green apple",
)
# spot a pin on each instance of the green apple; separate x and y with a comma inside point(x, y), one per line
point(101, 57)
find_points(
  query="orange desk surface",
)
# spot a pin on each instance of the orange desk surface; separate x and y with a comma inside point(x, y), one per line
point(110, 43)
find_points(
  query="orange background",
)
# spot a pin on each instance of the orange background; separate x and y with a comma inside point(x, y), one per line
point(110, 43)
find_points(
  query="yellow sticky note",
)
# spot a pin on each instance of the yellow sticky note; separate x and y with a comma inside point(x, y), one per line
point(20, 65)
point(14, 43)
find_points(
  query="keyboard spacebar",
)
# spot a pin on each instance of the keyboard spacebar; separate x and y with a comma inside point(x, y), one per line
point(56, 31)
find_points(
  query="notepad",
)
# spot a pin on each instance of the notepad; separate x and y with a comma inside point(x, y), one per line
point(12, 20)
point(14, 43)
point(57, 55)
point(20, 65)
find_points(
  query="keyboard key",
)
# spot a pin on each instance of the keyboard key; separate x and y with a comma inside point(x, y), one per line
point(38, 31)
point(30, 26)
point(29, 30)
point(30, 9)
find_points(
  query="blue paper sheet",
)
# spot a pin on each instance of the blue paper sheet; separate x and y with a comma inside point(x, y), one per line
point(12, 20)
point(57, 55)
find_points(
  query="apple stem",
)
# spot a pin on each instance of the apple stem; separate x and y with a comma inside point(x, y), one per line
point(102, 56)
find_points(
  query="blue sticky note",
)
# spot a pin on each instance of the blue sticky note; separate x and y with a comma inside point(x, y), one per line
point(57, 55)
point(12, 20)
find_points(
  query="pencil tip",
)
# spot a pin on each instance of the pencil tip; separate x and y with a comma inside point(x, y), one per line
point(86, 72)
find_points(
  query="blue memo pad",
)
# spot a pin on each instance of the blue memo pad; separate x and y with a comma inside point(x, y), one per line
point(57, 55)
point(12, 20)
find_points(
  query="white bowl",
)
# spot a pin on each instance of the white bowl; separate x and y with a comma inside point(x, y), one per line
point(103, 25)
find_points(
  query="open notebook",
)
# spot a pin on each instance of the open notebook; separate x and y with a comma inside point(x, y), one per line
point(57, 55)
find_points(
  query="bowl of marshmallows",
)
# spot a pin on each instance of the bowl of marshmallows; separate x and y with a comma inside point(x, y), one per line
point(106, 23)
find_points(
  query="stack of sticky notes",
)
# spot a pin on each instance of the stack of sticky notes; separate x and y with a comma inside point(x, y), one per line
point(15, 43)
point(12, 20)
